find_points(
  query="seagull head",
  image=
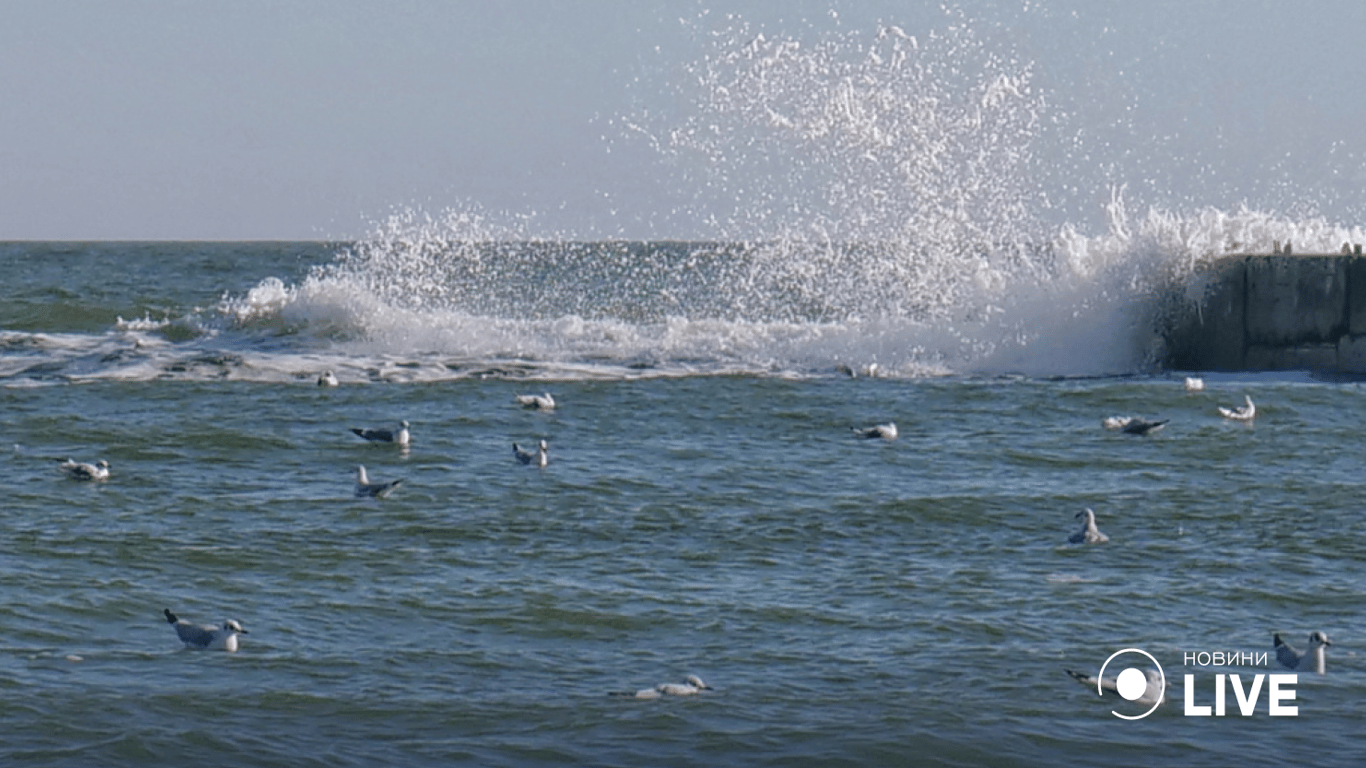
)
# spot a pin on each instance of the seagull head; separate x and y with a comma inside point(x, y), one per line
point(231, 625)
point(697, 683)
point(1317, 638)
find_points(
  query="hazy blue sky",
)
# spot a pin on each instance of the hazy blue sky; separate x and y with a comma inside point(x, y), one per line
point(254, 119)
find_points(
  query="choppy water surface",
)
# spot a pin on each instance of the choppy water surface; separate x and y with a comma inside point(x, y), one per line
point(853, 602)
point(880, 206)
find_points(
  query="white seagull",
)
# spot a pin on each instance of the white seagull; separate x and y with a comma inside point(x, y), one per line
point(1089, 533)
point(885, 431)
point(1242, 413)
point(328, 379)
point(1313, 660)
point(78, 471)
point(399, 435)
point(1153, 693)
point(691, 686)
point(367, 489)
point(206, 637)
point(1195, 384)
point(540, 457)
point(537, 402)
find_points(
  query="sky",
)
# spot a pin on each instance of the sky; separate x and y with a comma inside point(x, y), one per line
point(255, 119)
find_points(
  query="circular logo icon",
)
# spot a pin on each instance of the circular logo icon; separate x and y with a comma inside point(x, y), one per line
point(1133, 684)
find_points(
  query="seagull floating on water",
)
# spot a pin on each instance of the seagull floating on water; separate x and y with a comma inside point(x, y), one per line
point(542, 402)
point(1089, 533)
point(691, 686)
point(1153, 693)
point(328, 379)
point(1137, 426)
point(1132, 425)
point(540, 457)
point(1195, 384)
point(1312, 660)
point(1245, 412)
point(206, 637)
point(367, 489)
point(884, 431)
point(78, 471)
point(399, 435)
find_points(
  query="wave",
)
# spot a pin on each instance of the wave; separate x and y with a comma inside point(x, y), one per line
point(1072, 305)
point(879, 202)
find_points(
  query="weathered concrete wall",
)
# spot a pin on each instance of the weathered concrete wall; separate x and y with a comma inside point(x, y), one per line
point(1276, 312)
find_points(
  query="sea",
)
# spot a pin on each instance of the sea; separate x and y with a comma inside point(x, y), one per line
point(708, 509)
point(885, 237)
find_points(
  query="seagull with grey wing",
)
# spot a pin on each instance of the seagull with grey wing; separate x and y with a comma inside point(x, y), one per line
point(543, 402)
point(1137, 426)
point(1312, 660)
point(691, 686)
point(1245, 412)
point(877, 431)
point(1153, 693)
point(368, 490)
point(80, 471)
point(540, 457)
point(1089, 533)
point(207, 636)
point(379, 435)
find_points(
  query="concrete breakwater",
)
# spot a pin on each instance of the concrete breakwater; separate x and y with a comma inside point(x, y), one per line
point(1274, 312)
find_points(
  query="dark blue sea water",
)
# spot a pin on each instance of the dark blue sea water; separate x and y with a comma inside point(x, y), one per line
point(707, 510)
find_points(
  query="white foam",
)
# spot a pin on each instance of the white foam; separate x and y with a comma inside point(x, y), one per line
point(877, 197)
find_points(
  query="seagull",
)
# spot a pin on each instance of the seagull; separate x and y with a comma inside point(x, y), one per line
point(885, 431)
point(1089, 533)
point(1137, 426)
point(1154, 693)
point(367, 489)
point(541, 456)
point(1132, 425)
point(206, 637)
point(77, 471)
point(1195, 384)
point(328, 379)
point(1241, 413)
point(537, 402)
point(1311, 660)
point(690, 686)
point(399, 436)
